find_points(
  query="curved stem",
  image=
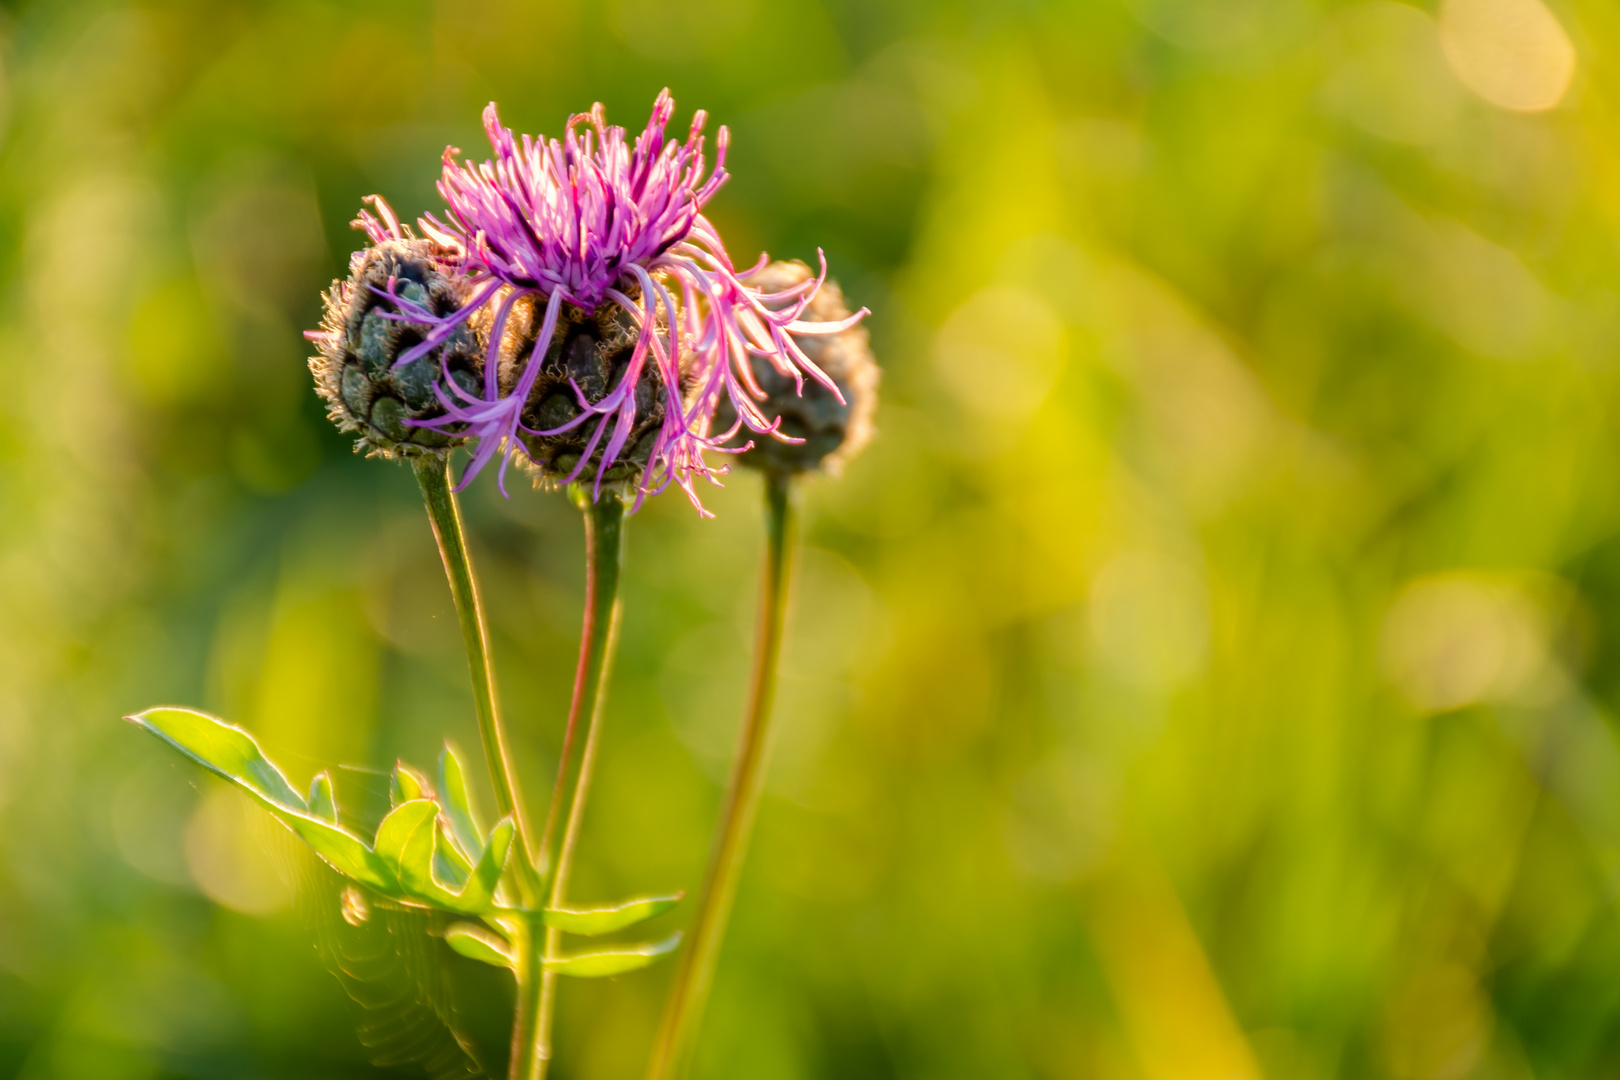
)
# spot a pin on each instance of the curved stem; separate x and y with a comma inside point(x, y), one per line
point(683, 1010)
point(433, 474)
point(604, 533)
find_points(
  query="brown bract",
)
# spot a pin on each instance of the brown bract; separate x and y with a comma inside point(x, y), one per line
point(355, 371)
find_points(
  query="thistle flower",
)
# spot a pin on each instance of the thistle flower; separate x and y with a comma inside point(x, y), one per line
point(588, 353)
point(370, 386)
point(823, 427)
point(589, 220)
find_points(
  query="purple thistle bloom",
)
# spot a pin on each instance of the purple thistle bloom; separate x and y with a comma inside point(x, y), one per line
point(589, 220)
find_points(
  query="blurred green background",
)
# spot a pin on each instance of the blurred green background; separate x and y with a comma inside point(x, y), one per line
point(1212, 671)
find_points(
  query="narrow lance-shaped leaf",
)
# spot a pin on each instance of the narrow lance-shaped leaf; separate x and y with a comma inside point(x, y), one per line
point(456, 798)
point(478, 896)
point(222, 748)
point(450, 866)
point(407, 785)
point(322, 801)
point(346, 852)
point(597, 965)
point(411, 840)
point(606, 919)
point(477, 943)
point(231, 752)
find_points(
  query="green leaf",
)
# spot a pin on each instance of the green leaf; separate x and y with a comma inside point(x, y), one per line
point(222, 748)
point(449, 865)
point(407, 785)
point(401, 824)
point(411, 840)
point(605, 920)
point(416, 860)
point(346, 852)
point(478, 897)
point(322, 802)
point(612, 961)
point(456, 798)
point(231, 752)
point(478, 943)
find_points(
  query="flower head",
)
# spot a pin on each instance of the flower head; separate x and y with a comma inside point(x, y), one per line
point(587, 354)
point(824, 428)
point(370, 387)
point(591, 220)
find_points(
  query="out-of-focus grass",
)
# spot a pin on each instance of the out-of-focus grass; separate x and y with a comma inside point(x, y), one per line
point(1209, 672)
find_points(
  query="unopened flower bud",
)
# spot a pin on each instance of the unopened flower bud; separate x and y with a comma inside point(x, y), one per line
point(588, 357)
point(831, 432)
point(362, 339)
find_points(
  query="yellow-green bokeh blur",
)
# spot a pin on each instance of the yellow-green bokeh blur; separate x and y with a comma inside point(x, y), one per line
point(1211, 671)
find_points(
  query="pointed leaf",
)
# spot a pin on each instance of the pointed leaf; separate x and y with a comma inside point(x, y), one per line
point(346, 852)
point(605, 920)
point(407, 785)
point(612, 961)
point(478, 943)
point(234, 754)
point(400, 825)
point(223, 748)
point(410, 840)
point(450, 866)
point(322, 801)
point(478, 897)
point(456, 798)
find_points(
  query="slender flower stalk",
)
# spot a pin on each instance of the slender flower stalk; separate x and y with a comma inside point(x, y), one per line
point(604, 544)
point(433, 474)
point(444, 511)
point(683, 1010)
point(824, 425)
point(604, 547)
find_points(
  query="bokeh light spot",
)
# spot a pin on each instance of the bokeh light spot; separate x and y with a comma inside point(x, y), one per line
point(354, 906)
point(225, 857)
point(1457, 639)
point(1149, 616)
point(1513, 53)
point(1001, 352)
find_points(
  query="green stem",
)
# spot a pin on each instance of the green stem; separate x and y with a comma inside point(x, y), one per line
point(604, 549)
point(525, 1062)
point(683, 1010)
point(444, 511)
